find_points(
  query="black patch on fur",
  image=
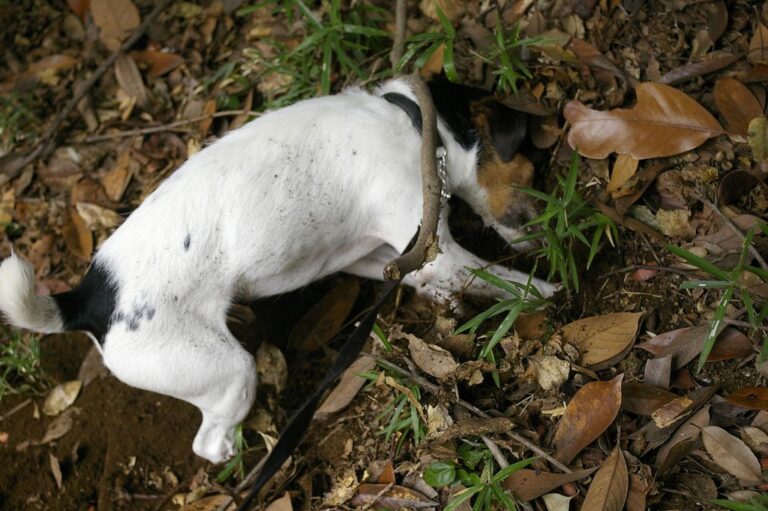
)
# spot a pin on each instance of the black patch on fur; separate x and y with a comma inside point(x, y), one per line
point(91, 304)
point(452, 102)
point(187, 241)
point(134, 318)
point(508, 129)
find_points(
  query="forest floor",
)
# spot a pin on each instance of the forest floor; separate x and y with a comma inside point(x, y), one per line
point(602, 381)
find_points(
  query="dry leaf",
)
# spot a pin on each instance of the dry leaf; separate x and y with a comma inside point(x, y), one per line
point(664, 122)
point(390, 496)
point(324, 320)
point(92, 367)
point(59, 426)
point(544, 131)
point(532, 325)
point(609, 488)
point(638, 490)
point(43, 68)
point(590, 412)
point(79, 7)
point(61, 397)
point(116, 19)
point(683, 344)
point(129, 78)
point(712, 62)
point(271, 367)
point(737, 104)
point(758, 45)
point(603, 340)
point(208, 110)
point(642, 399)
point(55, 469)
point(756, 439)
point(96, 217)
point(77, 236)
point(281, 504)
point(556, 502)
point(159, 62)
point(116, 179)
point(529, 484)
point(348, 387)
point(753, 398)
point(669, 413)
point(624, 168)
point(731, 454)
point(431, 359)
point(757, 137)
point(434, 64)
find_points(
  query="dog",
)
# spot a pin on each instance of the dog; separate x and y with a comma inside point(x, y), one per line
point(330, 184)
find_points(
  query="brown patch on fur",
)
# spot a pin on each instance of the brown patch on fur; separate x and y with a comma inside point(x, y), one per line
point(497, 177)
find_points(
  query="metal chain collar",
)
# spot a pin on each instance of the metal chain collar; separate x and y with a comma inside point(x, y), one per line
point(442, 173)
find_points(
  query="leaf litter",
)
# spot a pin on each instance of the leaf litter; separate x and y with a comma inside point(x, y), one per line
point(548, 381)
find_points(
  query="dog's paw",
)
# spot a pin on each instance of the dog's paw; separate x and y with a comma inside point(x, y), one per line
point(547, 289)
point(214, 447)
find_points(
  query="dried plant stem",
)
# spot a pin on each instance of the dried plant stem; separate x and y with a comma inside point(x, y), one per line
point(398, 47)
point(427, 239)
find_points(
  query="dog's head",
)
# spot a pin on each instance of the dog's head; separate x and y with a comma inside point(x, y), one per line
point(477, 119)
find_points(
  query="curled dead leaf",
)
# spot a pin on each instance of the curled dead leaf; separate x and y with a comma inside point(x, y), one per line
point(348, 387)
point(77, 236)
point(664, 122)
point(61, 397)
point(731, 454)
point(431, 359)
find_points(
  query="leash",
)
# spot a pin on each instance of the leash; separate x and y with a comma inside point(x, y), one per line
point(299, 422)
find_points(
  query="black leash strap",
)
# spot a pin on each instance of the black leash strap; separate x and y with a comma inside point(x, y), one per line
point(299, 422)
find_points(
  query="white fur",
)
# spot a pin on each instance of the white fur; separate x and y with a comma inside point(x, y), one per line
point(19, 303)
point(326, 185)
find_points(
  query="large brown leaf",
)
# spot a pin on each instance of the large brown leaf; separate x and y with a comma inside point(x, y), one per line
point(116, 19)
point(731, 454)
point(664, 122)
point(608, 491)
point(530, 484)
point(753, 398)
point(737, 104)
point(642, 399)
point(325, 318)
point(603, 340)
point(590, 412)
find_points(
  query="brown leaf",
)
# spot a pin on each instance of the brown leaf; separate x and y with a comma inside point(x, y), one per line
point(638, 490)
point(349, 385)
point(281, 504)
point(717, 21)
point(129, 78)
point(79, 7)
point(544, 131)
point(92, 367)
point(159, 62)
point(551, 372)
point(683, 344)
point(271, 367)
point(591, 56)
point(737, 104)
point(753, 398)
point(731, 454)
point(77, 236)
point(603, 340)
point(530, 484)
point(731, 344)
point(59, 426)
point(52, 64)
point(531, 326)
point(713, 62)
point(116, 19)
point(209, 109)
point(324, 320)
point(624, 168)
point(758, 45)
point(671, 412)
point(590, 412)
point(664, 122)
point(642, 399)
point(609, 488)
point(116, 179)
point(96, 217)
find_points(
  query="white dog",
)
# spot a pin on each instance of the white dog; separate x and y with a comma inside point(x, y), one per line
point(329, 184)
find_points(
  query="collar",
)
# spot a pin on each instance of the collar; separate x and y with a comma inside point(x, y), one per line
point(414, 112)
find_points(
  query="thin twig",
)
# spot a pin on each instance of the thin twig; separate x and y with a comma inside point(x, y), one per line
point(158, 129)
point(15, 409)
point(430, 183)
point(727, 221)
point(495, 451)
point(434, 389)
point(399, 40)
point(48, 139)
point(745, 324)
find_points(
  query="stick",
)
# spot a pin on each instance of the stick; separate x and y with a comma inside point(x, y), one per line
point(48, 139)
point(15, 409)
point(430, 182)
point(399, 40)
point(434, 389)
point(157, 129)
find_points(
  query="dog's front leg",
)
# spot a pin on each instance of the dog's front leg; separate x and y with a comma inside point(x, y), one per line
point(445, 278)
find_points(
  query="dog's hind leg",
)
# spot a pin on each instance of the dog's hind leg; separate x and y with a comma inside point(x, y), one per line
point(189, 359)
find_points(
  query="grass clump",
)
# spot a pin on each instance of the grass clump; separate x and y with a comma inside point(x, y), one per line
point(567, 220)
point(20, 370)
point(757, 503)
point(732, 284)
point(476, 470)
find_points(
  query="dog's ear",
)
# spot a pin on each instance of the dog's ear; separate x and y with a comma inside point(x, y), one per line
point(506, 129)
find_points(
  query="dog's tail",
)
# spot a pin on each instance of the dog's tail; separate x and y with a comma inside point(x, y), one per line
point(19, 303)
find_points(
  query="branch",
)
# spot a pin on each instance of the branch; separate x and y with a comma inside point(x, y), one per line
point(425, 247)
point(48, 139)
point(399, 40)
